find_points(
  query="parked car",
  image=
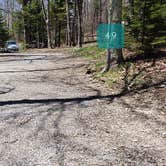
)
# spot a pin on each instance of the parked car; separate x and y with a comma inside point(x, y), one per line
point(11, 46)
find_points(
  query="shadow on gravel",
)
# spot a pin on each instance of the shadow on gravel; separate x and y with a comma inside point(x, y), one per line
point(4, 89)
point(82, 99)
point(42, 70)
point(37, 58)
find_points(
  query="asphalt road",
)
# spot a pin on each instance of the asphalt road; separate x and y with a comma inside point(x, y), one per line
point(53, 114)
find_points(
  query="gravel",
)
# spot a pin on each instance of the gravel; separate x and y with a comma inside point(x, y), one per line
point(53, 114)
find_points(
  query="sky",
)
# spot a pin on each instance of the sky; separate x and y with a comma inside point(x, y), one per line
point(3, 2)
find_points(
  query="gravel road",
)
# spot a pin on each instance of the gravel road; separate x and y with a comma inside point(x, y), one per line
point(53, 114)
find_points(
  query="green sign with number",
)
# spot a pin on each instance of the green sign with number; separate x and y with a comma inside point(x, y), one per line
point(110, 36)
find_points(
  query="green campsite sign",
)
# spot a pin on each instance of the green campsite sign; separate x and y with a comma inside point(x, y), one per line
point(110, 36)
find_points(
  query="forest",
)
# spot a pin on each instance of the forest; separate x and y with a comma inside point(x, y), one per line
point(82, 82)
point(56, 23)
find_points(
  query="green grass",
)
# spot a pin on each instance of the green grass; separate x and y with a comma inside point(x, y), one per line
point(90, 52)
point(98, 58)
point(113, 78)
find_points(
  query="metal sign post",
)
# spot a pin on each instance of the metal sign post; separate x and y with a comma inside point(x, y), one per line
point(110, 36)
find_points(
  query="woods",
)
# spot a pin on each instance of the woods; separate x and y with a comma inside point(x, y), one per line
point(3, 32)
point(55, 23)
point(82, 82)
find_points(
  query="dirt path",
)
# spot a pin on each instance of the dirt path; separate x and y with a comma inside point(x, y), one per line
point(52, 114)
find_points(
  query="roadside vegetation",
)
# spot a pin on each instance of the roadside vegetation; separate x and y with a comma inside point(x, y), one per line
point(59, 24)
point(136, 71)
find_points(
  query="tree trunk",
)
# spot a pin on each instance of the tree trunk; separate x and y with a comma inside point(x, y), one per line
point(25, 24)
point(100, 12)
point(38, 36)
point(59, 34)
point(131, 8)
point(115, 16)
point(74, 23)
point(48, 24)
point(108, 61)
point(55, 33)
point(46, 14)
point(79, 8)
point(68, 24)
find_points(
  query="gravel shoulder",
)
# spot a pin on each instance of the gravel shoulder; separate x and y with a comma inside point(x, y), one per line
point(53, 114)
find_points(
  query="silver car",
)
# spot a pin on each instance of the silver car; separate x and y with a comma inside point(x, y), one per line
point(11, 46)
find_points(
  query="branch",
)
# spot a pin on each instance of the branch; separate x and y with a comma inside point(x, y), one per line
point(4, 10)
point(44, 11)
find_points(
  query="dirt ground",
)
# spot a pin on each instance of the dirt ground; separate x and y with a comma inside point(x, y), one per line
point(53, 114)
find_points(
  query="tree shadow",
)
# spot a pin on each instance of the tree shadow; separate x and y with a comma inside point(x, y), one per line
point(5, 90)
point(131, 88)
point(42, 70)
point(141, 79)
point(157, 54)
point(38, 58)
point(57, 139)
point(82, 99)
point(129, 81)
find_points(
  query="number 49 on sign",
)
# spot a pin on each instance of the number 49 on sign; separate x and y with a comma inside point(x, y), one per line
point(110, 36)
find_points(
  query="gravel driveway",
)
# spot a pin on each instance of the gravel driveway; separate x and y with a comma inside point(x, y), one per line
point(53, 114)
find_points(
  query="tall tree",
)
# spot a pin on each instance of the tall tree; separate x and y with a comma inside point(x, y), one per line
point(46, 13)
point(146, 24)
point(58, 21)
point(4, 35)
point(79, 10)
point(18, 25)
point(24, 4)
point(72, 22)
point(68, 32)
point(115, 16)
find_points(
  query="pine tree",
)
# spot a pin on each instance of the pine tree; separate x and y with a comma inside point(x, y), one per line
point(30, 22)
point(4, 35)
point(18, 25)
point(147, 24)
point(58, 18)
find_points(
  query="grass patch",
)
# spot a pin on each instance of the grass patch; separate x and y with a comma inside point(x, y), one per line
point(90, 52)
point(129, 75)
point(97, 57)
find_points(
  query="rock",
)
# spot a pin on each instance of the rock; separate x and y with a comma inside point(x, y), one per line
point(163, 135)
point(88, 71)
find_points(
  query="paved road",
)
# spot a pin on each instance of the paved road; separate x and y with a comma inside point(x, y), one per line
point(52, 114)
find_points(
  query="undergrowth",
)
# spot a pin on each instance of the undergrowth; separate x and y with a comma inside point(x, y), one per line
point(128, 75)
